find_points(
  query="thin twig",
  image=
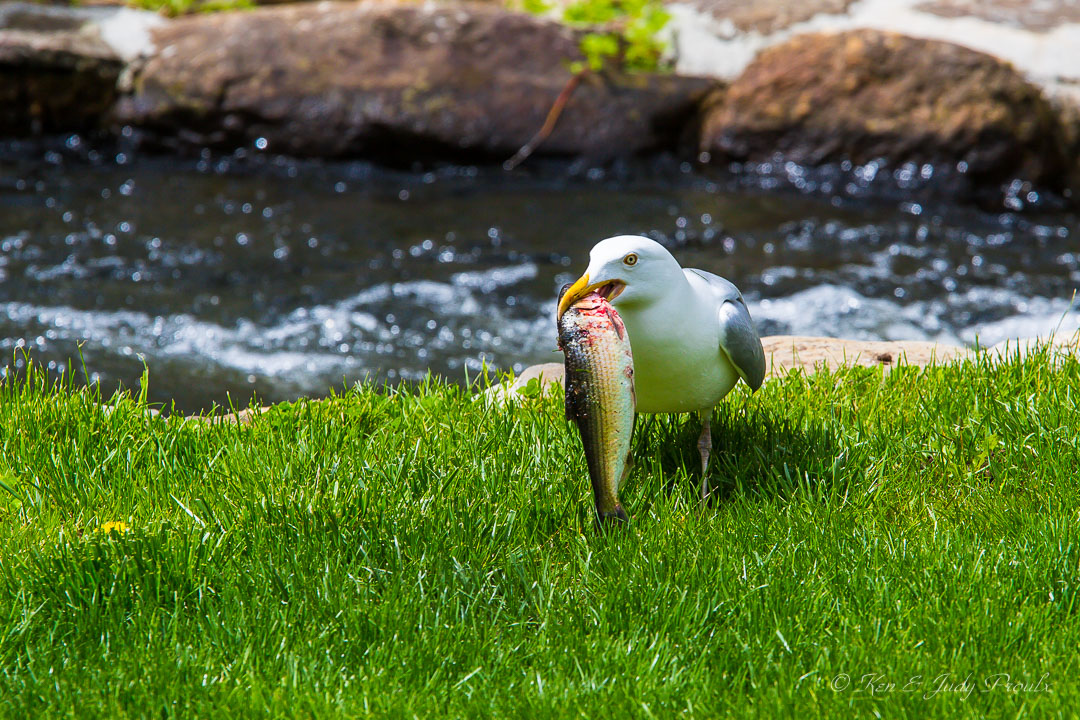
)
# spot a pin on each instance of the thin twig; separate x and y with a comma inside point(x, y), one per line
point(549, 123)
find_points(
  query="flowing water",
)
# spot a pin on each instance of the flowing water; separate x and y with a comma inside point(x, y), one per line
point(229, 277)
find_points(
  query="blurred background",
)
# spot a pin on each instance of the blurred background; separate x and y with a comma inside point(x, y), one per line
point(275, 201)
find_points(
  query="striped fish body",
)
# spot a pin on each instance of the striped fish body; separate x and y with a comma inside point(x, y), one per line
point(600, 395)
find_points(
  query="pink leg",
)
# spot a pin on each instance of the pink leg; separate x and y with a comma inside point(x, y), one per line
point(704, 445)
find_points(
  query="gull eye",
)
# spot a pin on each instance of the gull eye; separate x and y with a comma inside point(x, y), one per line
point(630, 259)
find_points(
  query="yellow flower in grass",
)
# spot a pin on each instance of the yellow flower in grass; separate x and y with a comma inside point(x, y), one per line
point(117, 525)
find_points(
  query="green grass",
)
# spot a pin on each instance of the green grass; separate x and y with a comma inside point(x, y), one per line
point(411, 553)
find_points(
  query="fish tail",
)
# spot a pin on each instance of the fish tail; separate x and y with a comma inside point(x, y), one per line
point(612, 518)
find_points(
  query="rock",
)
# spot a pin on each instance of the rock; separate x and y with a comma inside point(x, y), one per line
point(395, 81)
point(59, 66)
point(1040, 39)
point(547, 374)
point(241, 417)
point(785, 353)
point(1043, 16)
point(767, 16)
point(864, 95)
point(150, 412)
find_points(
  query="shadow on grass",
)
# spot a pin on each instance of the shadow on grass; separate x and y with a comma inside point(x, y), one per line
point(755, 451)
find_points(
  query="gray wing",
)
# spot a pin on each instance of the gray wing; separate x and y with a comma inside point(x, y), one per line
point(738, 338)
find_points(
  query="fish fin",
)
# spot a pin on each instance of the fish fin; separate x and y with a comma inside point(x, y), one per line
point(611, 519)
point(628, 466)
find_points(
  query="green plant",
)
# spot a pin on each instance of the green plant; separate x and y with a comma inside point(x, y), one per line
point(624, 31)
point(536, 7)
point(173, 8)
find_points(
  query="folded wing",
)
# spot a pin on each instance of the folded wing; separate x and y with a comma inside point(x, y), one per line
point(739, 340)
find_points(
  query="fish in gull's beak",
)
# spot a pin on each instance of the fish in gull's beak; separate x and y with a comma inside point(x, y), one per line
point(582, 287)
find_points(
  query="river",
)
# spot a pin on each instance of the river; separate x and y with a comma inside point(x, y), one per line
point(230, 277)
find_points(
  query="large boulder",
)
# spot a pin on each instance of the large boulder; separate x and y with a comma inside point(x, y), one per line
point(785, 353)
point(394, 81)
point(864, 95)
point(809, 354)
point(53, 74)
point(59, 66)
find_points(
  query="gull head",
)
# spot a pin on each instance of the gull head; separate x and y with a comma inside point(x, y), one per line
point(628, 270)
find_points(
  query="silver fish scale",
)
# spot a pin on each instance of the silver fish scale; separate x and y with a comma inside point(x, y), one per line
point(600, 395)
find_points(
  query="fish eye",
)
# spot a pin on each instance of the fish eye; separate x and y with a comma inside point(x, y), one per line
point(630, 259)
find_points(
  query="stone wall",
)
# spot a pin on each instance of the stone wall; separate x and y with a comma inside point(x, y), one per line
point(405, 81)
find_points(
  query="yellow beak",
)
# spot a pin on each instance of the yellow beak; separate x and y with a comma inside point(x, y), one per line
point(573, 293)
